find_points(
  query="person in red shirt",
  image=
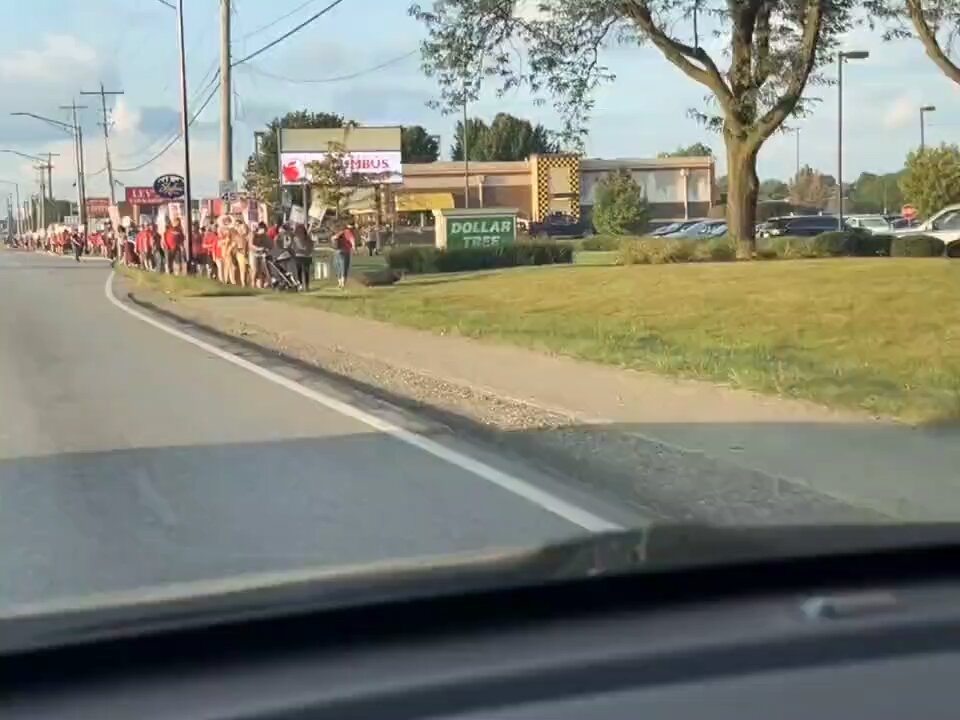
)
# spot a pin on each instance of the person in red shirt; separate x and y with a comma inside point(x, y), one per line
point(211, 252)
point(173, 247)
point(143, 248)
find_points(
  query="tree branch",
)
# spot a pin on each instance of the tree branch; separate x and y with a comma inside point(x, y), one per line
point(681, 54)
point(788, 100)
point(928, 36)
point(761, 58)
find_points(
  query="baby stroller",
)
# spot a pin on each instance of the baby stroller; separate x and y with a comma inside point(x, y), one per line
point(280, 277)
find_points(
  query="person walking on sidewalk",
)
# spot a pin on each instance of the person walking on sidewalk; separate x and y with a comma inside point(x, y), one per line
point(302, 255)
point(344, 241)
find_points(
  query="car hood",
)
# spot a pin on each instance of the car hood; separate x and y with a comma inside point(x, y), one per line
point(87, 618)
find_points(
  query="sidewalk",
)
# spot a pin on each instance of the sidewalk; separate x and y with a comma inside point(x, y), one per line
point(881, 465)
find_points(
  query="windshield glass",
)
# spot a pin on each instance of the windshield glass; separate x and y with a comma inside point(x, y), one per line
point(382, 282)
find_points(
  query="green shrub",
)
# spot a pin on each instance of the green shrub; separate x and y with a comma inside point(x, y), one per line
point(953, 249)
point(871, 245)
point(766, 253)
point(916, 246)
point(431, 260)
point(721, 249)
point(837, 243)
point(620, 207)
point(660, 251)
point(601, 242)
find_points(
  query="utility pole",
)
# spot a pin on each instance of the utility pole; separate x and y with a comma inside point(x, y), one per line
point(106, 133)
point(42, 199)
point(81, 170)
point(187, 222)
point(226, 88)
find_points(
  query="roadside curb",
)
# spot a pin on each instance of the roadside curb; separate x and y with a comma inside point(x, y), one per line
point(643, 473)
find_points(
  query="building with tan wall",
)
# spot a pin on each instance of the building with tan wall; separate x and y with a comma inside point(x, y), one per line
point(565, 183)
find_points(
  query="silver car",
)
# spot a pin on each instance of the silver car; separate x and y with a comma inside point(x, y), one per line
point(944, 224)
point(871, 223)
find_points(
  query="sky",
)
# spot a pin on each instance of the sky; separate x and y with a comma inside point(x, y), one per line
point(54, 49)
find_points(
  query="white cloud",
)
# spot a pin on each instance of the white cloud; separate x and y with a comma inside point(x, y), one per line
point(125, 118)
point(901, 112)
point(58, 52)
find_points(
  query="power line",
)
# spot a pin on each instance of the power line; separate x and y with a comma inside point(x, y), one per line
point(287, 34)
point(335, 78)
point(270, 24)
point(176, 133)
point(176, 137)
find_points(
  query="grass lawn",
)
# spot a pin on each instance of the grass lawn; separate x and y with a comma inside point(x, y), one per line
point(878, 334)
point(179, 286)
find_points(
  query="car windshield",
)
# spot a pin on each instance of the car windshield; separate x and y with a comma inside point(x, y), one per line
point(381, 281)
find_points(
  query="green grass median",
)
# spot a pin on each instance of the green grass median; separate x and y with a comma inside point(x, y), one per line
point(876, 334)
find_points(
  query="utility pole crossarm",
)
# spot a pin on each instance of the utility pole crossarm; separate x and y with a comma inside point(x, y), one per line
point(106, 133)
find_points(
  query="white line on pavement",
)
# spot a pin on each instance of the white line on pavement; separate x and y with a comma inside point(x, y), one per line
point(522, 488)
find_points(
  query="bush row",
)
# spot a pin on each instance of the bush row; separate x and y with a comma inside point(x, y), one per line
point(658, 251)
point(634, 251)
point(417, 260)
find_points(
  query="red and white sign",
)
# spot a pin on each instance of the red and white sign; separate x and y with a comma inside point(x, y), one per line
point(98, 207)
point(144, 196)
point(375, 166)
point(909, 212)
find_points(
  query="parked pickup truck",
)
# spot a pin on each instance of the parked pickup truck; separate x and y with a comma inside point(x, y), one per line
point(944, 224)
point(560, 225)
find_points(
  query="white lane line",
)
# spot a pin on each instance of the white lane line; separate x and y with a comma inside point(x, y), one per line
point(521, 488)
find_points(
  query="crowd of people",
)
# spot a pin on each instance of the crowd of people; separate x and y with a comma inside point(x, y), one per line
point(227, 249)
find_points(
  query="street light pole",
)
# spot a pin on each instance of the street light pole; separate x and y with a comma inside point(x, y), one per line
point(924, 109)
point(841, 58)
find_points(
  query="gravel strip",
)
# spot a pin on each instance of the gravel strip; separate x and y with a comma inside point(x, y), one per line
point(654, 479)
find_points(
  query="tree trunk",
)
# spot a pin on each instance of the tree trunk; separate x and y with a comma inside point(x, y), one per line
point(742, 189)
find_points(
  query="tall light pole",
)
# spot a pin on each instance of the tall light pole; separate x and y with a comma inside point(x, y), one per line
point(842, 57)
point(924, 109)
point(19, 207)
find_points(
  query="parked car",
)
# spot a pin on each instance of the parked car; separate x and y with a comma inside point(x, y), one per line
point(561, 225)
point(798, 225)
point(674, 227)
point(871, 223)
point(701, 230)
point(944, 224)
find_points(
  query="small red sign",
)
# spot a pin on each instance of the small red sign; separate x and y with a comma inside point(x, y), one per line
point(144, 196)
point(909, 212)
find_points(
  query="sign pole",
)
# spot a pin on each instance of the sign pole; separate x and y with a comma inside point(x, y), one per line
point(187, 222)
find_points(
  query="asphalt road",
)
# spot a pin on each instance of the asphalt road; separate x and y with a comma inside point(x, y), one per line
point(130, 458)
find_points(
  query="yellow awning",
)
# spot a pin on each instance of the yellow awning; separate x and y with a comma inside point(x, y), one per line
point(424, 202)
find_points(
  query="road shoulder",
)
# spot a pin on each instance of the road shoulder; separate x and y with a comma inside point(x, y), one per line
point(610, 460)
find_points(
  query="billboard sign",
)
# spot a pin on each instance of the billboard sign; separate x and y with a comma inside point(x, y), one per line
point(171, 187)
point(373, 166)
point(144, 196)
point(98, 207)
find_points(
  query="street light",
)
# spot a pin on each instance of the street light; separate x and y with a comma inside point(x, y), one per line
point(17, 186)
point(841, 58)
point(77, 133)
point(924, 109)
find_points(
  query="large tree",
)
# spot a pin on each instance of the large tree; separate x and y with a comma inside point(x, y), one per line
point(419, 146)
point(773, 50)
point(813, 189)
point(932, 179)
point(261, 176)
point(934, 22)
point(698, 149)
point(506, 138)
